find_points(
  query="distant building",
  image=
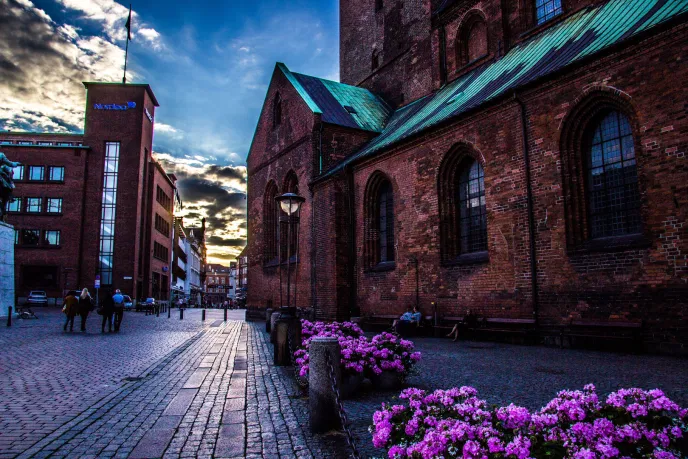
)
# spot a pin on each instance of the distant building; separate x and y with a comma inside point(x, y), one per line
point(180, 263)
point(94, 205)
point(242, 267)
point(231, 294)
point(216, 282)
point(195, 253)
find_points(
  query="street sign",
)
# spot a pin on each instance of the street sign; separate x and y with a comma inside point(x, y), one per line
point(127, 277)
point(97, 280)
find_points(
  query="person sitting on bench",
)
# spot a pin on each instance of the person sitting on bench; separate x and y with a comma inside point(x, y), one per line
point(469, 321)
point(407, 320)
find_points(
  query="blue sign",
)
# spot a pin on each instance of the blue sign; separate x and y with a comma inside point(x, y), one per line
point(126, 106)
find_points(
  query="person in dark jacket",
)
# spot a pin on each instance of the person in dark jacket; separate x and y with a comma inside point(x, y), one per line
point(118, 305)
point(71, 309)
point(85, 305)
point(108, 309)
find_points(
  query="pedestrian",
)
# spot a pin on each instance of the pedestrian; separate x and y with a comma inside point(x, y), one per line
point(118, 300)
point(85, 306)
point(107, 308)
point(70, 308)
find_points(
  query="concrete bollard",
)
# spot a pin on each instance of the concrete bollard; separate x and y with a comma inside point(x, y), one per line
point(157, 310)
point(9, 316)
point(225, 314)
point(169, 312)
point(203, 315)
point(268, 314)
point(321, 399)
point(181, 313)
point(273, 318)
point(281, 347)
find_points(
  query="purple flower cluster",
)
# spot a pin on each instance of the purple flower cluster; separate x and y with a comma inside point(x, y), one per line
point(455, 423)
point(359, 354)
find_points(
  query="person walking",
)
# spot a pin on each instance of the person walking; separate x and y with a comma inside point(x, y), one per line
point(107, 308)
point(85, 306)
point(118, 300)
point(70, 308)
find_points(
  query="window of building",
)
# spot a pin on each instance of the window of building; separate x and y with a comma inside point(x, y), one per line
point(15, 205)
point(472, 39)
point(16, 236)
point(108, 210)
point(277, 110)
point(375, 60)
point(270, 228)
point(162, 225)
point(472, 210)
point(291, 185)
point(34, 205)
point(163, 199)
point(385, 225)
point(463, 211)
point(45, 143)
point(36, 173)
point(65, 144)
point(54, 205)
point(6, 142)
point(18, 173)
point(30, 237)
point(25, 142)
point(51, 237)
point(547, 9)
point(56, 174)
point(160, 251)
point(379, 246)
point(614, 201)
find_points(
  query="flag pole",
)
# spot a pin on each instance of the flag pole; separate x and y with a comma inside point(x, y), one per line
point(126, 49)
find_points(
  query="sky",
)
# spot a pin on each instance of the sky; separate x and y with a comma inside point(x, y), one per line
point(209, 63)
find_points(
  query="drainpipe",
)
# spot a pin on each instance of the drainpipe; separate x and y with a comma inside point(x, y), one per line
point(531, 212)
point(353, 306)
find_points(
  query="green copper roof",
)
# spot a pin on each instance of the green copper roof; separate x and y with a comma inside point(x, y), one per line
point(590, 30)
point(338, 103)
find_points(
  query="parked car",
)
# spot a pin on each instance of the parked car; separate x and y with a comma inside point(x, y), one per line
point(128, 303)
point(37, 297)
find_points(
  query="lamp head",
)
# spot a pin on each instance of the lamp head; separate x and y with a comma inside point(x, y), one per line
point(290, 203)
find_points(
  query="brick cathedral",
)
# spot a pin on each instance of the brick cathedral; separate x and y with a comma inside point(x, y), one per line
point(508, 159)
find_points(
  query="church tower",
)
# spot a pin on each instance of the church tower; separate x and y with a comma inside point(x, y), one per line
point(385, 46)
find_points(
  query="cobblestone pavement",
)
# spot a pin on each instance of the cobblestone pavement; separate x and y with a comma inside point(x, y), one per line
point(159, 386)
point(524, 375)
point(171, 388)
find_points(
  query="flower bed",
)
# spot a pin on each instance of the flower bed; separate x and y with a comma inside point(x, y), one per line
point(630, 423)
point(359, 355)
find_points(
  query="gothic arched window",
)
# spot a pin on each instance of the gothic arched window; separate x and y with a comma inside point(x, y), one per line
point(270, 234)
point(612, 178)
point(291, 185)
point(546, 10)
point(379, 222)
point(472, 39)
point(463, 211)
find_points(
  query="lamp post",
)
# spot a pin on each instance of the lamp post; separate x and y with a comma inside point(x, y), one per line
point(288, 210)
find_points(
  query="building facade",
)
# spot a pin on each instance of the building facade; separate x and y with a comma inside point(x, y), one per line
point(508, 159)
point(94, 205)
point(217, 284)
point(194, 285)
point(180, 262)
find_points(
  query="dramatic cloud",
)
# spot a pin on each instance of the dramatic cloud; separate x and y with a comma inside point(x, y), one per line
point(216, 193)
point(42, 66)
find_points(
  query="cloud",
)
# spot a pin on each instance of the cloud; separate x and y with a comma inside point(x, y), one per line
point(112, 16)
point(216, 193)
point(42, 66)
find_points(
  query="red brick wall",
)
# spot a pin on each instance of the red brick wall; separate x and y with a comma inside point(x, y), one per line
point(400, 33)
point(648, 283)
point(69, 223)
point(275, 152)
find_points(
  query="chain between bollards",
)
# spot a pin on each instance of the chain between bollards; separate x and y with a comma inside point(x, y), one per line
point(299, 380)
point(350, 439)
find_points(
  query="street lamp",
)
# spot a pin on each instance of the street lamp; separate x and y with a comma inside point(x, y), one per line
point(288, 210)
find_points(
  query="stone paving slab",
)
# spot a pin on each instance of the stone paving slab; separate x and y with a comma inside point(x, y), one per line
point(196, 379)
point(181, 402)
point(230, 441)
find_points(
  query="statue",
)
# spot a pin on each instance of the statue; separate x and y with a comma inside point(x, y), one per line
point(6, 182)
